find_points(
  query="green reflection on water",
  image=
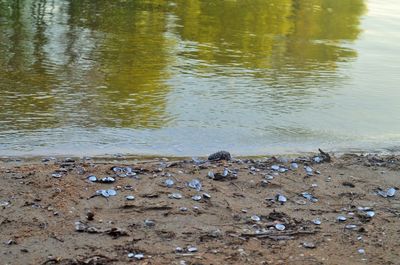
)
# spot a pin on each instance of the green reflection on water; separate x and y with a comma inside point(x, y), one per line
point(107, 63)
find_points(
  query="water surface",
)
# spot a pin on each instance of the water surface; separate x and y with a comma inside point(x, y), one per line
point(189, 77)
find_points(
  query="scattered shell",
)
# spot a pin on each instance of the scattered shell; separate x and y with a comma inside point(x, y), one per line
point(308, 245)
point(210, 175)
point(92, 178)
point(107, 180)
point(275, 167)
point(341, 218)
point(282, 170)
point(206, 196)
point(56, 175)
point(178, 249)
point(183, 209)
point(169, 183)
point(309, 196)
point(4, 203)
point(149, 223)
point(317, 159)
point(308, 170)
point(196, 197)
point(106, 193)
point(175, 196)
point(294, 166)
point(351, 226)
point(195, 184)
point(280, 198)
point(361, 251)
point(131, 255)
point(80, 227)
point(264, 183)
point(280, 227)
point(128, 187)
point(390, 192)
point(130, 197)
point(255, 218)
point(370, 214)
point(192, 249)
point(316, 221)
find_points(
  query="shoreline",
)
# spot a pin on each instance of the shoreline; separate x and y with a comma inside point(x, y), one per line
point(49, 214)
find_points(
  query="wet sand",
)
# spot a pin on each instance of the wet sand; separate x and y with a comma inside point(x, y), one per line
point(46, 219)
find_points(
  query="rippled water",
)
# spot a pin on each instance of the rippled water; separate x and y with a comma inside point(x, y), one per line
point(189, 77)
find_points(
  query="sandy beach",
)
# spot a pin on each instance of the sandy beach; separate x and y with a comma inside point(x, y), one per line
point(299, 210)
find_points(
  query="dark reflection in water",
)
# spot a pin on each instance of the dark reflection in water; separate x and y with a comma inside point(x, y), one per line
point(94, 64)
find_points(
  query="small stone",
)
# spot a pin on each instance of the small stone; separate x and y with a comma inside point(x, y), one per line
point(221, 155)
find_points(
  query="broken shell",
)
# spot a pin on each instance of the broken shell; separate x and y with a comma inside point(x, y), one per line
point(92, 178)
point(183, 209)
point(210, 175)
point(361, 251)
point(195, 184)
point(255, 218)
point(196, 197)
point(169, 183)
point(280, 227)
point(341, 218)
point(294, 165)
point(130, 197)
point(175, 196)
